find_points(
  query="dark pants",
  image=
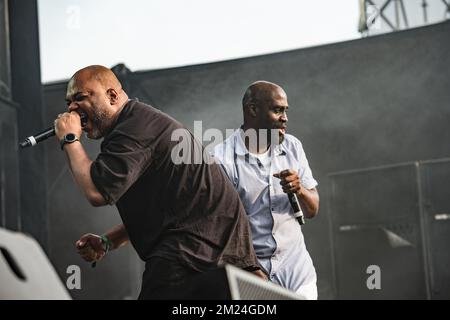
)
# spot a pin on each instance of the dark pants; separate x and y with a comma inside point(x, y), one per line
point(167, 280)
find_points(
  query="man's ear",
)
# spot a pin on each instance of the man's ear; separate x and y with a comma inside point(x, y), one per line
point(112, 95)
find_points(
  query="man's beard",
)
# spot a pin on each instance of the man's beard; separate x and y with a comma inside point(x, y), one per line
point(100, 123)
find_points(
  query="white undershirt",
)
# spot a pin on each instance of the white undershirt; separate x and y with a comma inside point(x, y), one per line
point(264, 158)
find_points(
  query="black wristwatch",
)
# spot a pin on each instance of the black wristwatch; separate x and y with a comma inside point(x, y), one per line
point(68, 138)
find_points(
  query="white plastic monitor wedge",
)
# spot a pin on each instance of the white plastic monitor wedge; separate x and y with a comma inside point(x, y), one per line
point(25, 271)
point(246, 286)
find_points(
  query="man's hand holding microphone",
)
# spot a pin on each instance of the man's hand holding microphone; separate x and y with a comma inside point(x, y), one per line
point(292, 186)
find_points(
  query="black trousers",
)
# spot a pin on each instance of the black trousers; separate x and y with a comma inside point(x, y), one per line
point(168, 280)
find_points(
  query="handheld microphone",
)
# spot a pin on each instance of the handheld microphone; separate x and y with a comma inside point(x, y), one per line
point(31, 141)
point(298, 213)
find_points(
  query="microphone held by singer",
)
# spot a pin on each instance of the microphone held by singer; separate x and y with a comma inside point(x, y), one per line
point(295, 204)
point(293, 200)
point(31, 141)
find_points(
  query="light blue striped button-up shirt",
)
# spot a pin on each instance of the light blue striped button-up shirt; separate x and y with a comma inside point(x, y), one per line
point(277, 236)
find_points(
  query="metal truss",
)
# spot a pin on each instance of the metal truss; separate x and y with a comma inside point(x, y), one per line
point(368, 19)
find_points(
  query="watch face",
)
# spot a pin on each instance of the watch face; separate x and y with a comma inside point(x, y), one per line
point(70, 137)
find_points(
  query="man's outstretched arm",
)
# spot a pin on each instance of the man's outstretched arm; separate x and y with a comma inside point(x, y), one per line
point(78, 160)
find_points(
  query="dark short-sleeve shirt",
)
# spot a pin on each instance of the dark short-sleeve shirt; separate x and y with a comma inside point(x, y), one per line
point(185, 212)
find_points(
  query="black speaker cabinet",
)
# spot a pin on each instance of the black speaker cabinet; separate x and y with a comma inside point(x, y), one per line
point(435, 179)
point(9, 167)
point(5, 82)
point(395, 219)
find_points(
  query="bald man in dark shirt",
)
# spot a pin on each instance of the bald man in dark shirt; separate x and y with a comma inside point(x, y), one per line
point(182, 219)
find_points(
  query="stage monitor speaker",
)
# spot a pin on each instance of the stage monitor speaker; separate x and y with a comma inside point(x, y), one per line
point(246, 286)
point(25, 271)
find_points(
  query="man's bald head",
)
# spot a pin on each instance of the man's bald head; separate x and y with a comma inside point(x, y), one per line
point(261, 92)
point(96, 94)
point(99, 74)
point(265, 108)
point(94, 80)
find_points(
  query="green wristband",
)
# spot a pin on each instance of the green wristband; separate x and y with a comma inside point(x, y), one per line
point(106, 242)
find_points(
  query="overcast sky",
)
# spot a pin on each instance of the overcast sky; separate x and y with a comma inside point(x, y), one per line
point(155, 34)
